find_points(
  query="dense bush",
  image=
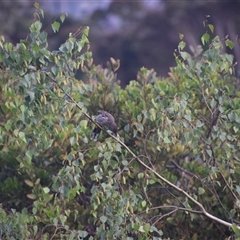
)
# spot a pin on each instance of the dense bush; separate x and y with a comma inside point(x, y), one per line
point(172, 172)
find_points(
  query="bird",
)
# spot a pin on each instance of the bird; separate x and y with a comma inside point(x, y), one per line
point(106, 121)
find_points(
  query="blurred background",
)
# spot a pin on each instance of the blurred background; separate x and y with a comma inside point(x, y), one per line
point(139, 33)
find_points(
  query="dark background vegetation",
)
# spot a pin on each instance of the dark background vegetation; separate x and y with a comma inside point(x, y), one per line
point(146, 36)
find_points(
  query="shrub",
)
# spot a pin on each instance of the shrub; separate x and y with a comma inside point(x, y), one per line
point(174, 165)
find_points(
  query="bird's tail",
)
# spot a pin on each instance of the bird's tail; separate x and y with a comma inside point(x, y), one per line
point(95, 133)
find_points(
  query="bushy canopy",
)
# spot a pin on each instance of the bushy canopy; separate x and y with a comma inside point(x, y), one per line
point(173, 171)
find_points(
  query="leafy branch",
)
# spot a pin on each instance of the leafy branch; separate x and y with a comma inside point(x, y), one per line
point(151, 169)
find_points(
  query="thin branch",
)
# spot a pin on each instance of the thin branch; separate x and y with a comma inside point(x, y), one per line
point(175, 209)
point(200, 180)
point(233, 194)
point(203, 210)
point(205, 100)
point(165, 215)
point(178, 208)
point(76, 104)
point(183, 170)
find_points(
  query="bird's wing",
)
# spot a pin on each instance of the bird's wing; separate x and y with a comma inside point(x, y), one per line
point(100, 119)
point(108, 115)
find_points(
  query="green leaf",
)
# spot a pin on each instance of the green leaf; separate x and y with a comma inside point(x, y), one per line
point(209, 152)
point(229, 44)
point(86, 31)
point(199, 124)
point(36, 26)
point(144, 203)
point(124, 162)
point(54, 71)
point(32, 196)
point(8, 124)
point(238, 189)
point(63, 219)
point(55, 26)
point(34, 210)
point(29, 183)
point(72, 141)
point(201, 191)
point(139, 118)
point(103, 219)
point(22, 136)
point(211, 27)
point(147, 227)
point(46, 190)
point(141, 229)
point(83, 234)
point(36, 5)
point(166, 139)
point(152, 112)
point(181, 45)
point(205, 38)
point(62, 17)
point(75, 163)
point(188, 117)
point(140, 175)
point(181, 36)
point(235, 228)
point(35, 229)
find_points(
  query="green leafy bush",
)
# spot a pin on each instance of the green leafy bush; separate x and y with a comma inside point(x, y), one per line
point(174, 165)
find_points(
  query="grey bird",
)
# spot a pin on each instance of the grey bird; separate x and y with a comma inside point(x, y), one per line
point(107, 121)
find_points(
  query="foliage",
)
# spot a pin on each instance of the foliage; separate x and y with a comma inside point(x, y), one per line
point(174, 165)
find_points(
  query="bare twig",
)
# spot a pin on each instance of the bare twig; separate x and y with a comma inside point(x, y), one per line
point(175, 209)
point(233, 194)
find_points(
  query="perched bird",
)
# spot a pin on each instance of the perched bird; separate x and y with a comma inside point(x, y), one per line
point(107, 121)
